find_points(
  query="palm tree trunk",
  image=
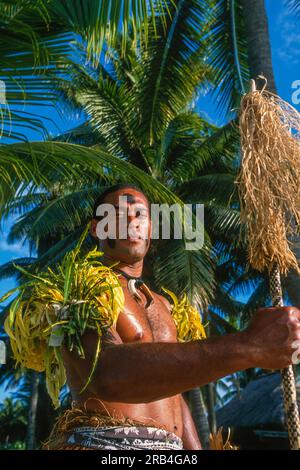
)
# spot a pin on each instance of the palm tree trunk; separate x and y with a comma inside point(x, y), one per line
point(199, 414)
point(260, 61)
point(31, 429)
point(211, 402)
point(210, 389)
point(258, 39)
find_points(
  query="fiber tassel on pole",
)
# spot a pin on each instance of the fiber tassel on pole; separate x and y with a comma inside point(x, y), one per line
point(269, 190)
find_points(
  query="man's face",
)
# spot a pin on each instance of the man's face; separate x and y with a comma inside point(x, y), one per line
point(131, 239)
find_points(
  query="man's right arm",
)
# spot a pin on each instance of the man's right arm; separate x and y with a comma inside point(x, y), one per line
point(146, 372)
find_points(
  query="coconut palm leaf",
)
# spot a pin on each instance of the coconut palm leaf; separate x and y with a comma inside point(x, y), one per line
point(9, 269)
point(36, 35)
point(53, 254)
point(20, 205)
point(223, 223)
point(219, 325)
point(225, 304)
point(28, 167)
point(106, 103)
point(84, 134)
point(179, 139)
point(98, 21)
point(259, 298)
point(178, 54)
point(24, 53)
point(245, 283)
point(213, 187)
point(56, 215)
point(187, 271)
point(12, 413)
point(215, 150)
point(180, 152)
point(228, 45)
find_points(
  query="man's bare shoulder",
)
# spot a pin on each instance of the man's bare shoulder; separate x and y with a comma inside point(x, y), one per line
point(163, 299)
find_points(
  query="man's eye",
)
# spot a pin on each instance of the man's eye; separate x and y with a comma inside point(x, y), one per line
point(141, 214)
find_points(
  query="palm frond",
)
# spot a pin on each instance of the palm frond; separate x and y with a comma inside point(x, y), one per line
point(219, 325)
point(27, 37)
point(101, 21)
point(56, 216)
point(225, 304)
point(9, 269)
point(224, 223)
point(215, 187)
point(182, 270)
point(37, 35)
point(106, 103)
point(216, 150)
point(29, 167)
point(83, 134)
point(259, 298)
point(178, 54)
point(222, 53)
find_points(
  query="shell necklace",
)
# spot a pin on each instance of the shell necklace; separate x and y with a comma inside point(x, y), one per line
point(135, 283)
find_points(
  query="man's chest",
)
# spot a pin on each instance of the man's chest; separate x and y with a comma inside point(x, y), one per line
point(138, 323)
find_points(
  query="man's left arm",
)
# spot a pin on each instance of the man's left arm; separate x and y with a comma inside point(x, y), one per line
point(189, 435)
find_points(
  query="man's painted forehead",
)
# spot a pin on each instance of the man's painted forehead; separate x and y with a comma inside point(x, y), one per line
point(132, 197)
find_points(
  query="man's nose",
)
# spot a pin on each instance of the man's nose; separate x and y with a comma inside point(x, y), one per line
point(133, 220)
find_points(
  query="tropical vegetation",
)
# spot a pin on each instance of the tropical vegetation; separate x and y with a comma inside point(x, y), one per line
point(132, 77)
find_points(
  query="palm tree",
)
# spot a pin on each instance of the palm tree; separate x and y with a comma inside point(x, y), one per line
point(141, 127)
point(24, 51)
point(35, 34)
point(240, 49)
point(12, 420)
point(260, 61)
point(258, 40)
point(44, 33)
point(162, 148)
point(199, 414)
point(145, 146)
point(32, 410)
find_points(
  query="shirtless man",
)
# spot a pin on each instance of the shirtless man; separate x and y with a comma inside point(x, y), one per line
point(142, 370)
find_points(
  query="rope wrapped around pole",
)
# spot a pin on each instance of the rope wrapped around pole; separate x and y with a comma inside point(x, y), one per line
point(287, 375)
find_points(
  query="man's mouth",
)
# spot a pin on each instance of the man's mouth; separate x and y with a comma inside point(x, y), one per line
point(134, 238)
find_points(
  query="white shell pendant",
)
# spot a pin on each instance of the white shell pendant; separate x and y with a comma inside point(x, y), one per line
point(132, 289)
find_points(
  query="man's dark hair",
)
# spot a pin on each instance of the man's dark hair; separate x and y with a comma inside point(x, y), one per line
point(112, 189)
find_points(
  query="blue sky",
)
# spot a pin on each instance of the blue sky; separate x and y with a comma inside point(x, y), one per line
point(285, 42)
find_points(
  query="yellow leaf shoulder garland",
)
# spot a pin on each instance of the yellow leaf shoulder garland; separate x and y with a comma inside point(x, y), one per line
point(186, 318)
point(56, 307)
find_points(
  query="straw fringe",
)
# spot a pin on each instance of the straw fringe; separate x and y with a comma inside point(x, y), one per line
point(82, 417)
point(217, 443)
point(269, 179)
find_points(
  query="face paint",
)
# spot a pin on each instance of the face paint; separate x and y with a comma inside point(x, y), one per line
point(130, 198)
point(124, 231)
